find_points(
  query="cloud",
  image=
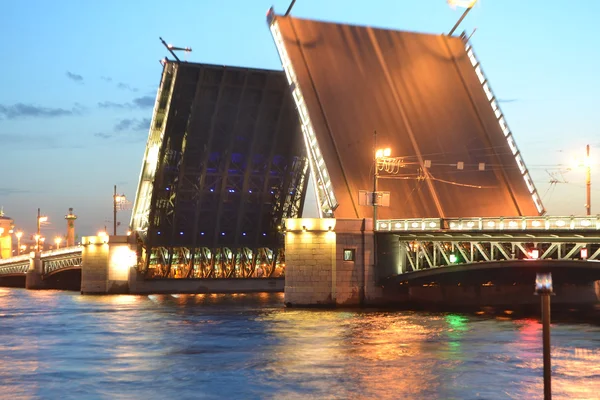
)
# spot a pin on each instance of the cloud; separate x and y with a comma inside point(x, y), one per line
point(132, 124)
point(74, 77)
point(113, 105)
point(36, 141)
point(127, 125)
point(143, 102)
point(21, 110)
point(8, 191)
point(507, 100)
point(124, 86)
point(106, 78)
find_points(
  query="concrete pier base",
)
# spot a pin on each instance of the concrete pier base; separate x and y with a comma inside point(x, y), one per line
point(329, 263)
point(33, 277)
point(106, 261)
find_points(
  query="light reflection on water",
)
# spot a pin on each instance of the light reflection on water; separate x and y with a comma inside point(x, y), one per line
point(64, 345)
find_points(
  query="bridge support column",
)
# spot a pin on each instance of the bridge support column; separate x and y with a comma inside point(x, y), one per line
point(329, 262)
point(106, 261)
point(33, 277)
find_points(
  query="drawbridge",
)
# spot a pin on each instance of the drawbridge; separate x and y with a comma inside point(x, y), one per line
point(230, 149)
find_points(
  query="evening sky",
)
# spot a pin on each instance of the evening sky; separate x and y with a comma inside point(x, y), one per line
point(78, 81)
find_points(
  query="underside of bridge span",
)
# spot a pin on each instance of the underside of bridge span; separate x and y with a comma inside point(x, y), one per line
point(224, 165)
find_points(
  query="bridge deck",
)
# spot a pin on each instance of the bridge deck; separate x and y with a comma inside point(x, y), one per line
point(427, 98)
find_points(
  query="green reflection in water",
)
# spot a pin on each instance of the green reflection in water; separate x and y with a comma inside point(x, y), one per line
point(457, 326)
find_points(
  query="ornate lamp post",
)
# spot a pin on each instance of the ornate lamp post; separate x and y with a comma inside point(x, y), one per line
point(19, 235)
point(118, 199)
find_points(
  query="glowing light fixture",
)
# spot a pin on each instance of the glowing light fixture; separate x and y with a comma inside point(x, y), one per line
point(584, 253)
point(534, 254)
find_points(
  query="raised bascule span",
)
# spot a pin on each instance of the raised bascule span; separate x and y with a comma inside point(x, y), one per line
point(427, 98)
point(224, 165)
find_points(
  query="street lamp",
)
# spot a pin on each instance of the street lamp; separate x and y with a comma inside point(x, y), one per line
point(19, 235)
point(543, 287)
point(40, 220)
point(468, 4)
point(588, 181)
point(57, 240)
point(118, 199)
point(377, 154)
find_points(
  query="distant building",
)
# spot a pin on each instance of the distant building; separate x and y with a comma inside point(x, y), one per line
point(6, 230)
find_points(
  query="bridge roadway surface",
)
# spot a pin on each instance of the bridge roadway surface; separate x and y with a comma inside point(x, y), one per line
point(428, 100)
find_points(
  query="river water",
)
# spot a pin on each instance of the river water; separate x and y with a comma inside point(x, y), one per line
point(65, 345)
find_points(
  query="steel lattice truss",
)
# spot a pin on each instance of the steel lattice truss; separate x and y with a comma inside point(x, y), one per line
point(180, 262)
point(14, 269)
point(52, 261)
point(51, 265)
point(420, 251)
point(224, 165)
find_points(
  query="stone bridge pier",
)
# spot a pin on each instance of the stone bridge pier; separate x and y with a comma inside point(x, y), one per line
point(329, 263)
point(106, 263)
point(34, 278)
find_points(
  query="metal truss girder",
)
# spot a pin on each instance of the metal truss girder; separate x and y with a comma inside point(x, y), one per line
point(482, 251)
point(525, 237)
point(418, 252)
point(462, 252)
point(425, 252)
point(571, 252)
point(14, 269)
point(442, 252)
point(51, 265)
point(221, 262)
point(410, 260)
point(501, 249)
point(225, 172)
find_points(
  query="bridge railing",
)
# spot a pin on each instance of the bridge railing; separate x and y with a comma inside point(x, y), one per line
point(59, 252)
point(547, 223)
point(16, 259)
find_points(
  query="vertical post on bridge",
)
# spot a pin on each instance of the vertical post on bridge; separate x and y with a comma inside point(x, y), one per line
point(543, 287)
point(588, 181)
point(375, 199)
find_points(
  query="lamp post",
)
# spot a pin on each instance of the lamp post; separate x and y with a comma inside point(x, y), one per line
point(19, 235)
point(543, 287)
point(588, 181)
point(57, 241)
point(40, 219)
point(377, 155)
point(468, 4)
point(117, 200)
